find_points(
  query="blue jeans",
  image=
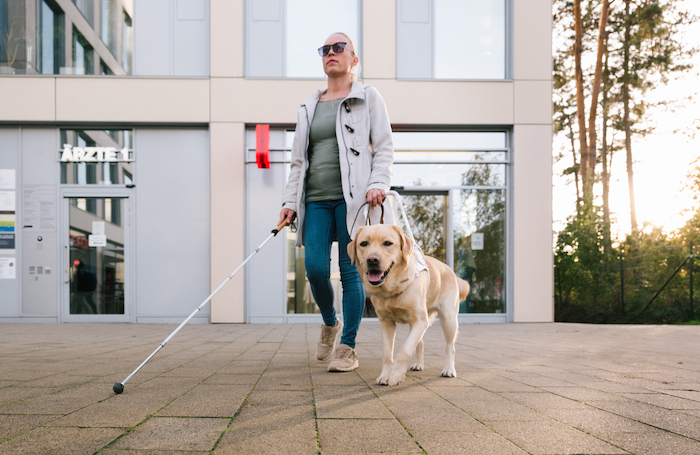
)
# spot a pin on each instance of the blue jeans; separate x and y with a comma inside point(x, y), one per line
point(323, 221)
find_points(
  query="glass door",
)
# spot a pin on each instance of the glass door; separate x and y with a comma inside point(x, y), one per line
point(96, 245)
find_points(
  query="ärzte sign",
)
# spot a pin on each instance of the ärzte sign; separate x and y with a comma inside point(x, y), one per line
point(70, 153)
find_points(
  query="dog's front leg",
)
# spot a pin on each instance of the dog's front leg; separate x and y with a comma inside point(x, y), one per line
point(388, 329)
point(419, 363)
point(403, 357)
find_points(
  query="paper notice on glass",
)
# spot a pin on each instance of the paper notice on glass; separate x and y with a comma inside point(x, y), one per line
point(477, 241)
point(98, 228)
point(97, 240)
point(7, 179)
point(40, 206)
point(7, 201)
point(8, 268)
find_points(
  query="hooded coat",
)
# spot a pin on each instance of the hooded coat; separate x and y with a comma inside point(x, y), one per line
point(366, 154)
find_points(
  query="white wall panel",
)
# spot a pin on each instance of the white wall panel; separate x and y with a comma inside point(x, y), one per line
point(172, 222)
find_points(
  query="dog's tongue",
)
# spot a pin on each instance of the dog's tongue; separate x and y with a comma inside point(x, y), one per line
point(375, 276)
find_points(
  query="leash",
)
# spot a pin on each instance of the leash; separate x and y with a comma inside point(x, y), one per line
point(368, 222)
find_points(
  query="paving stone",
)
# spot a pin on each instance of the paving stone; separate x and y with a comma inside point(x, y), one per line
point(348, 402)
point(293, 418)
point(652, 442)
point(364, 435)
point(152, 452)
point(232, 379)
point(285, 379)
point(583, 394)
point(484, 442)
point(208, 401)
point(550, 437)
point(596, 421)
point(14, 425)
point(60, 440)
point(664, 401)
point(277, 398)
point(171, 433)
point(268, 441)
point(541, 400)
point(674, 421)
point(10, 395)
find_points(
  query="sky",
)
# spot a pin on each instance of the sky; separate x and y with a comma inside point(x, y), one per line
point(662, 159)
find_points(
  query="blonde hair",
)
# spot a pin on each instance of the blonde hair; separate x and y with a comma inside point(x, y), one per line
point(356, 70)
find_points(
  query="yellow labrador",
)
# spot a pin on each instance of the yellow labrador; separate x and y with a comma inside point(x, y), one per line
point(402, 292)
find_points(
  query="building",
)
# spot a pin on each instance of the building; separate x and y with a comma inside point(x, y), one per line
point(129, 187)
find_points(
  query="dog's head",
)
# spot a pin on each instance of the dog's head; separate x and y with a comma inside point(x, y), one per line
point(378, 249)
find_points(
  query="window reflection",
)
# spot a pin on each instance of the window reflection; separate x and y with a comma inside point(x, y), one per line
point(62, 37)
point(97, 274)
point(479, 249)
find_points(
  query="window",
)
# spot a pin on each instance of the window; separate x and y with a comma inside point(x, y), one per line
point(282, 35)
point(127, 40)
point(50, 55)
point(451, 39)
point(109, 25)
point(83, 55)
point(41, 37)
point(453, 187)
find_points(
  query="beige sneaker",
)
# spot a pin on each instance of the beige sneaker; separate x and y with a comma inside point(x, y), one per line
point(329, 338)
point(345, 359)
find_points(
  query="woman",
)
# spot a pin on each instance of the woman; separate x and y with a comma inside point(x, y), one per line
point(341, 162)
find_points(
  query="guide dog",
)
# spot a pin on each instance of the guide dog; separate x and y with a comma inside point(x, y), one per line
point(405, 291)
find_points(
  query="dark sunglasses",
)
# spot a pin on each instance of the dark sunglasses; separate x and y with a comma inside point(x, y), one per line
point(337, 48)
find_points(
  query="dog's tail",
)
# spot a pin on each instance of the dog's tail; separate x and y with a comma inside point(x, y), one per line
point(463, 289)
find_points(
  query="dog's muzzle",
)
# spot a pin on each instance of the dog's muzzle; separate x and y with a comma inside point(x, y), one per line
point(375, 275)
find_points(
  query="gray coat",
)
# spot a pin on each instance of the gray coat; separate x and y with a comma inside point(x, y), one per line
point(366, 153)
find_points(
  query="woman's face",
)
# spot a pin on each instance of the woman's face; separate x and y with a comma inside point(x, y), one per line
point(339, 64)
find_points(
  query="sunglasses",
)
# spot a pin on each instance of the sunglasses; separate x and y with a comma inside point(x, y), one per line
point(337, 48)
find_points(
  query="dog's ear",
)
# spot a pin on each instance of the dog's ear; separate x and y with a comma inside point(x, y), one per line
point(351, 252)
point(406, 244)
point(351, 248)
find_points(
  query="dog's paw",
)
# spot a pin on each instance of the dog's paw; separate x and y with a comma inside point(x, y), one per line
point(396, 378)
point(416, 367)
point(449, 372)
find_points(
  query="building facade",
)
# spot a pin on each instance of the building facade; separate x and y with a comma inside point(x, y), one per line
point(129, 186)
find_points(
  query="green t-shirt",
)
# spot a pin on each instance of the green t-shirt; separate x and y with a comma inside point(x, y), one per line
point(323, 183)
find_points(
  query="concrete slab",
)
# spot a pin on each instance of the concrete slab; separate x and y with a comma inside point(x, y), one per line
point(551, 437)
point(268, 441)
point(364, 435)
point(484, 442)
point(169, 433)
point(207, 400)
point(77, 441)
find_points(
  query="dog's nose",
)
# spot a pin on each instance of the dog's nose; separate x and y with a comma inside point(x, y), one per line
point(373, 260)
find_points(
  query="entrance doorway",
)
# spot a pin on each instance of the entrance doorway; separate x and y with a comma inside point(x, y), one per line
point(96, 237)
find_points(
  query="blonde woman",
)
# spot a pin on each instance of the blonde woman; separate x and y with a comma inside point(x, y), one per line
point(341, 162)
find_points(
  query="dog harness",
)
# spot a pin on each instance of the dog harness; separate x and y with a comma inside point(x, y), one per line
point(420, 263)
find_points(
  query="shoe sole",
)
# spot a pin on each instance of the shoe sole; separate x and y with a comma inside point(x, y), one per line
point(337, 338)
point(344, 370)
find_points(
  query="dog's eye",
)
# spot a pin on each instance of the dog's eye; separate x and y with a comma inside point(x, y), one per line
point(363, 244)
point(388, 243)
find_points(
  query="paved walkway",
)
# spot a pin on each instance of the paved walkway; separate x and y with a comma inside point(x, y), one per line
point(249, 389)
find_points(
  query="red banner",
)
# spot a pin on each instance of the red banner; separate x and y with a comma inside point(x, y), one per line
point(262, 146)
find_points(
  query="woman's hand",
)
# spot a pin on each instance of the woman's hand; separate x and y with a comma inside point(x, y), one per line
point(374, 197)
point(287, 214)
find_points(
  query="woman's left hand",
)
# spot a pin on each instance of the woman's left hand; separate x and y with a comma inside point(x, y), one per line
point(375, 197)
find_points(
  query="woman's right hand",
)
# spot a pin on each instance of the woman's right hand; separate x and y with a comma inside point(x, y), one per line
point(287, 214)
